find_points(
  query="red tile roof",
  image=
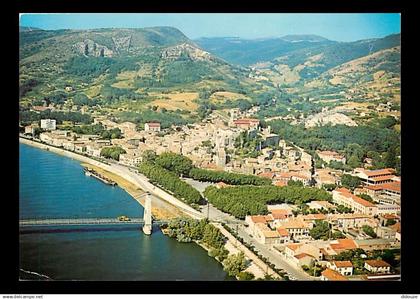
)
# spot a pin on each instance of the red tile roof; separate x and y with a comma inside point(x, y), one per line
point(382, 178)
point(343, 244)
point(302, 255)
point(386, 171)
point(342, 264)
point(153, 124)
point(332, 275)
point(293, 246)
point(258, 219)
point(377, 263)
point(283, 232)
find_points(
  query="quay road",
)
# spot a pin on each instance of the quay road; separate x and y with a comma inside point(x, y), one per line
point(273, 255)
point(82, 221)
point(215, 215)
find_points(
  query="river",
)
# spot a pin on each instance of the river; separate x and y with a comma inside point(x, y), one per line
point(53, 186)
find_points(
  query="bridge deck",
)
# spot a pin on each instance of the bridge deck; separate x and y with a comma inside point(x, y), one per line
point(83, 221)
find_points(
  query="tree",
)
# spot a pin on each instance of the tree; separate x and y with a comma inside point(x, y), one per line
point(112, 152)
point(179, 164)
point(321, 230)
point(245, 276)
point(294, 183)
point(234, 264)
point(149, 156)
point(349, 181)
point(369, 231)
point(390, 222)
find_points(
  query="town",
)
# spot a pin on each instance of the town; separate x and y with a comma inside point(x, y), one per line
point(352, 234)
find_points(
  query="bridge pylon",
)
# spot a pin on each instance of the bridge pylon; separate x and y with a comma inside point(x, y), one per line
point(147, 227)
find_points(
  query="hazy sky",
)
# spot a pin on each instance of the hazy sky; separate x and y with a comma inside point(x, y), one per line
point(340, 27)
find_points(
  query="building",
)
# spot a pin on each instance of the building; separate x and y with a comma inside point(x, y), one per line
point(341, 245)
point(377, 266)
point(375, 177)
point(343, 196)
point(303, 259)
point(329, 274)
point(48, 124)
point(373, 244)
point(385, 209)
point(329, 156)
point(152, 127)
point(296, 228)
point(247, 123)
point(343, 267)
point(131, 159)
point(349, 221)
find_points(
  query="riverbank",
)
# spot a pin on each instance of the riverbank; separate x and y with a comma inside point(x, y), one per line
point(158, 211)
point(165, 204)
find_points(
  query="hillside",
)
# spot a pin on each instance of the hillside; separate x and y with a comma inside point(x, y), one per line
point(250, 51)
point(128, 68)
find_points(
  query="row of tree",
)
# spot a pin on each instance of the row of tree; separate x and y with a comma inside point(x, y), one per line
point(188, 230)
point(170, 182)
point(183, 166)
point(252, 200)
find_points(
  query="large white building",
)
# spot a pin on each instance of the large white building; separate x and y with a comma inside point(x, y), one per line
point(48, 124)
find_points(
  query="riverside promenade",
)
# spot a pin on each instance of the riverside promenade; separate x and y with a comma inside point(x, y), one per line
point(136, 179)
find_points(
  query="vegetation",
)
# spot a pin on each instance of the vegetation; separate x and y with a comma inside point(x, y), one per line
point(370, 140)
point(189, 230)
point(227, 177)
point(252, 200)
point(245, 276)
point(369, 231)
point(170, 182)
point(234, 264)
point(113, 152)
point(350, 182)
point(176, 163)
point(27, 116)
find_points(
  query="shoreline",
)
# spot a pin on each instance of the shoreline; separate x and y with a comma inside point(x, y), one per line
point(137, 179)
point(134, 190)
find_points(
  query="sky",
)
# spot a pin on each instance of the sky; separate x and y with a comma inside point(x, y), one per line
point(338, 27)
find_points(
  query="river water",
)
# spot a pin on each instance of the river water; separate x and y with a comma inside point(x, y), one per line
point(53, 186)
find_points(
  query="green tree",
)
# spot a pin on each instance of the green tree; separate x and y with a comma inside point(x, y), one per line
point(369, 231)
point(245, 276)
point(234, 264)
point(321, 230)
point(350, 182)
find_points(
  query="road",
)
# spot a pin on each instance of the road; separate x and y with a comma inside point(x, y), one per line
point(215, 215)
point(273, 256)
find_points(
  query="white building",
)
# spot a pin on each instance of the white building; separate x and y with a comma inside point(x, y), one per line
point(48, 124)
point(152, 127)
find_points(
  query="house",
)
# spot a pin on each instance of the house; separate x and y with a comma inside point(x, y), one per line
point(304, 259)
point(329, 156)
point(152, 127)
point(341, 245)
point(343, 196)
point(247, 123)
point(329, 274)
point(343, 267)
point(252, 221)
point(131, 159)
point(297, 229)
point(349, 221)
point(377, 266)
